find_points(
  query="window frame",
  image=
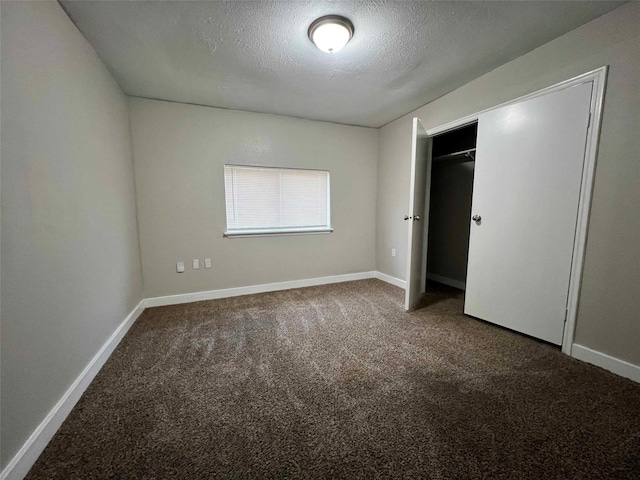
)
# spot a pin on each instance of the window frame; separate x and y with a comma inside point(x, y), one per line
point(277, 232)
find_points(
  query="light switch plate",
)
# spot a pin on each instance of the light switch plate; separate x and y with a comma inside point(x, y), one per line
point(207, 263)
point(196, 264)
point(180, 267)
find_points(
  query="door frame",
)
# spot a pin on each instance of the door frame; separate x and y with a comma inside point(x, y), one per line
point(599, 79)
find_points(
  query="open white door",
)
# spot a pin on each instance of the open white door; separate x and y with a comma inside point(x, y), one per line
point(418, 216)
point(529, 163)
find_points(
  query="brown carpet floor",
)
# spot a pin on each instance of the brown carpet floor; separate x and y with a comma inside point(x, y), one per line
point(338, 381)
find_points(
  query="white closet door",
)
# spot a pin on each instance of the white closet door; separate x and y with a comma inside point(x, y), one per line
point(419, 212)
point(528, 172)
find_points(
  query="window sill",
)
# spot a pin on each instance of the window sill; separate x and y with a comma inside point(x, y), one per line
point(278, 233)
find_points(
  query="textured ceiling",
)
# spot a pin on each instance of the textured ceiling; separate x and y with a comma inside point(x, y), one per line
point(255, 55)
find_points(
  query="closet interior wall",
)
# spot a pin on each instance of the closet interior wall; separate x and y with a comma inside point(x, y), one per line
point(453, 162)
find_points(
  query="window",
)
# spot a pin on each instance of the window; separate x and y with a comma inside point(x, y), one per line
point(276, 201)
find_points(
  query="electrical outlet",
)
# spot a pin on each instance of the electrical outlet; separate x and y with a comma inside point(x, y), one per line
point(207, 263)
point(196, 264)
point(393, 252)
point(180, 267)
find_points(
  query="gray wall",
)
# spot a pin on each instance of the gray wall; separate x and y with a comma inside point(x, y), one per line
point(609, 308)
point(449, 219)
point(179, 153)
point(70, 263)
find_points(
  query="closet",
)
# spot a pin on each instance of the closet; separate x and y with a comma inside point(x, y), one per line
point(495, 208)
point(452, 169)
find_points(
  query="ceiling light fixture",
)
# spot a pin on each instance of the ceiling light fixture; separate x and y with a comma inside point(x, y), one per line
point(331, 32)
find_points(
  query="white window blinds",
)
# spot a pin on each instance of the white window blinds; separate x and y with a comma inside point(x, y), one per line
point(264, 200)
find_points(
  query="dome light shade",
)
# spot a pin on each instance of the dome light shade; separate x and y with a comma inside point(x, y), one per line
point(331, 33)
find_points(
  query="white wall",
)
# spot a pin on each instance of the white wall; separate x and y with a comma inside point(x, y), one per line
point(179, 153)
point(70, 263)
point(609, 308)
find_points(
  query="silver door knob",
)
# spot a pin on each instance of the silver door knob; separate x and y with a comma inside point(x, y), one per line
point(416, 218)
point(407, 217)
point(476, 218)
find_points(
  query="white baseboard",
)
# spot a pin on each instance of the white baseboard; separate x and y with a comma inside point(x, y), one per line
point(22, 461)
point(446, 281)
point(615, 365)
point(392, 280)
point(266, 287)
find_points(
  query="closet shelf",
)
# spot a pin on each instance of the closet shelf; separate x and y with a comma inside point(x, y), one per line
point(461, 156)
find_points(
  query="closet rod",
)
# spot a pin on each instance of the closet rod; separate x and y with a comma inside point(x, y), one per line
point(470, 154)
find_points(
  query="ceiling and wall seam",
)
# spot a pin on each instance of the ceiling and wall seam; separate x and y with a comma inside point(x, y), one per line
point(251, 111)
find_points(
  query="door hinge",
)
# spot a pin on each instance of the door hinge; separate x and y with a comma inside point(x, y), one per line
point(589, 120)
point(566, 314)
